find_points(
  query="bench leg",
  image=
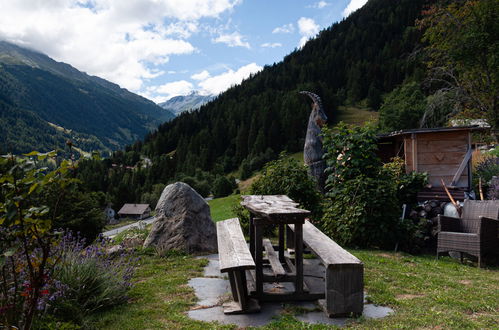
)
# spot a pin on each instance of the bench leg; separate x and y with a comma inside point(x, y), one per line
point(233, 286)
point(242, 303)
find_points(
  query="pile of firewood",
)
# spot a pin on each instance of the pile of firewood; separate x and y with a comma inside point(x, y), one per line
point(428, 210)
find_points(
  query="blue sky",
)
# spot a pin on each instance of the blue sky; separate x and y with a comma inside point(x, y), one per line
point(164, 48)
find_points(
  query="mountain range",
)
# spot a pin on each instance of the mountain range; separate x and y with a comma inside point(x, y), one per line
point(181, 103)
point(44, 103)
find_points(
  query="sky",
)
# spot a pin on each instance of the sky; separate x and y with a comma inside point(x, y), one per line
point(164, 48)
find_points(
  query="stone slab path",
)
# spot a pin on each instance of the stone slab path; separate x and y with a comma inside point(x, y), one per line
point(213, 290)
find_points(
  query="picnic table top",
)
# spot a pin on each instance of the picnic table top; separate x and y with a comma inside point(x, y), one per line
point(274, 208)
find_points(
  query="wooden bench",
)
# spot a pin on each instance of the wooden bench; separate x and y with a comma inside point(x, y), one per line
point(235, 258)
point(344, 282)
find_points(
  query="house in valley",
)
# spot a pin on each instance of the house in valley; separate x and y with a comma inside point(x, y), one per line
point(135, 211)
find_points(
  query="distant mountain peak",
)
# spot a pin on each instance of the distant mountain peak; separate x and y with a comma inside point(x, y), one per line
point(181, 103)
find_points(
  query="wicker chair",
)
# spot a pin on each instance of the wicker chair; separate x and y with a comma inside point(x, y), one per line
point(475, 233)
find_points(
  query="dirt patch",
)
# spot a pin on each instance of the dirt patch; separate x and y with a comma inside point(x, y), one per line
point(465, 282)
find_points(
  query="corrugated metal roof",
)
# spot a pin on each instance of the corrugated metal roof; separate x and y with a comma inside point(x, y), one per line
point(133, 209)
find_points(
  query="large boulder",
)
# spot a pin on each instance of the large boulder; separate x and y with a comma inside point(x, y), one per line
point(183, 222)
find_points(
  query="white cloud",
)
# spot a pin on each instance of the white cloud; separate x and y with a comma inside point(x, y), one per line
point(234, 39)
point(353, 6)
point(286, 28)
point(308, 29)
point(201, 75)
point(319, 5)
point(121, 41)
point(271, 45)
point(164, 92)
point(218, 84)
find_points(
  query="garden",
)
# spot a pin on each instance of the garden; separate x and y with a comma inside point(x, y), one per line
point(73, 278)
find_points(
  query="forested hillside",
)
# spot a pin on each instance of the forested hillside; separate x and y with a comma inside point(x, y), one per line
point(36, 91)
point(354, 61)
point(357, 59)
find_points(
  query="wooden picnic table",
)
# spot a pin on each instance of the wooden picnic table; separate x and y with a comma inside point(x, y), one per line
point(282, 211)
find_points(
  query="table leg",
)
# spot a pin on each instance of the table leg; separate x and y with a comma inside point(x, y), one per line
point(281, 243)
point(299, 257)
point(252, 236)
point(258, 260)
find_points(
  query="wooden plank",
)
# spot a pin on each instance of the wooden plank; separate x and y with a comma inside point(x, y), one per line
point(232, 248)
point(273, 259)
point(441, 158)
point(434, 180)
point(437, 145)
point(442, 170)
point(462, 166)
point(441, 136)
point(325, 248)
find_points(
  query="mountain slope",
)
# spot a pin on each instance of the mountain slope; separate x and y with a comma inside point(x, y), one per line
point(356, 60)
point(352, 62)
point(87, 107)
point(179, 104)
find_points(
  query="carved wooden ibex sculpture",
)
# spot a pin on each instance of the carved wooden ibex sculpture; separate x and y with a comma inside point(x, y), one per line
point(312, 152)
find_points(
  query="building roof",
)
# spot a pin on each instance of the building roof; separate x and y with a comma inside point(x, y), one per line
point(134, 209)
point(431, 130)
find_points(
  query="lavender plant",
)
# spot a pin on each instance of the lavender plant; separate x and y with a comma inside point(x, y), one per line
point(93, 278)
point(493, 192)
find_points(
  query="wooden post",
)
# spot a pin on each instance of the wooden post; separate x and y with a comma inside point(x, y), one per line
point(299, 257)
point(281, 242)
point(252, 236)
point(414, 152)
point(258, 260)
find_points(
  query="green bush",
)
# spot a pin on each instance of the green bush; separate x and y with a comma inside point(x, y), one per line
point(364, 198)
point(286, 176)
point(222, 186)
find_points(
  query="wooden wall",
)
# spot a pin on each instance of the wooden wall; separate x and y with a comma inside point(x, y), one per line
point(439, 154)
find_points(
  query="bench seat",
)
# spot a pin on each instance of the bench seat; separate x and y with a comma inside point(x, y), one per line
point(344, 282)
point(235, 258)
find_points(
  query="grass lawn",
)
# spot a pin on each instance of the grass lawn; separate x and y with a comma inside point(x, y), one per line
point(222, 208)
point(353, 115)
point(424, 293)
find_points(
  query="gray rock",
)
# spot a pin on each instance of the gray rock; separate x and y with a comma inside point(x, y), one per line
point(183, 222)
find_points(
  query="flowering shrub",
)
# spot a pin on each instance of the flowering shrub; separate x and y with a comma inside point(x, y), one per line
point(93, 278)
point(486, 170)
point(493, 192)
point(26, 243)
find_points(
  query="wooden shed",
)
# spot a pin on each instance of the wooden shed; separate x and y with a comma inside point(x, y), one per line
point(444, 153)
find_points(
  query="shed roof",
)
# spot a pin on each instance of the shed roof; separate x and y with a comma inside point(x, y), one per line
point(134, 209)
point(431, 130)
